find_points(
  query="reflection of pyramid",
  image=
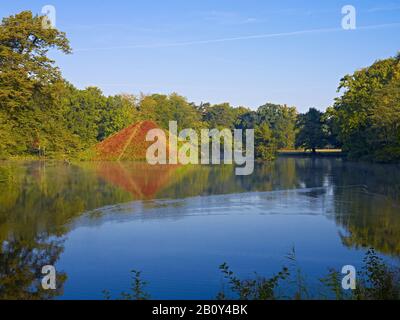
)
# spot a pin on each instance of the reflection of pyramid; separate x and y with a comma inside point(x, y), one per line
point(127, 144)
point(142, 180)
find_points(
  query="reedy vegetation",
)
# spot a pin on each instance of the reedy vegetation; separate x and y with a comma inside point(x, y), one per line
point(377, 280)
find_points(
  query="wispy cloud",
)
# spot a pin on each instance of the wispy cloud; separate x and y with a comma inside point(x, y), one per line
point(382, 9)
point(110, 27)
point(228, 18)
point(249, 37)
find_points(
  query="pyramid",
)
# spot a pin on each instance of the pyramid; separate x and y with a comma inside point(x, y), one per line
point(128, 144)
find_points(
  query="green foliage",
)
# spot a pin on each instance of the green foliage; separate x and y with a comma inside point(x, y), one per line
point(333, 282)
point(43, 115)
point(281, 120)
point(377, 280)
point(40, 113)
point(20, 264)
point(367, 114)
point(6, 141)
point(260, 288)
point(247, 120)
point(30, 95)
point(23, 42)
point(220, 116)
point(84, 108)
point(298, 280)
point(162, 109)
point(331, 129)
point(265, 145)
point(137, 291)
point(117, 113)
point(312, 134)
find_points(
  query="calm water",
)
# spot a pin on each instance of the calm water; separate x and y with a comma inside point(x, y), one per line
point(96, 222)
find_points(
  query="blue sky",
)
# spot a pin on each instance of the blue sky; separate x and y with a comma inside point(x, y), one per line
point(243, 52)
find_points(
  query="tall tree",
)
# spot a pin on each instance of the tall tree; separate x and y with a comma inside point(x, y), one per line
point(85, 113)
point(25, 66)
point(367, 112)
point(265, 143)
point(282, 121)
point(220, 116)
point(118, 112)
point(312, 134)
point(162, 109)
point(30, 84)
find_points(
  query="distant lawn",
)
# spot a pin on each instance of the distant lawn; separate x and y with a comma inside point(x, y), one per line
point(299, 152)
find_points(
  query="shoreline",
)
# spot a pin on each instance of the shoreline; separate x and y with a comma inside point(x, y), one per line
point(321, 153)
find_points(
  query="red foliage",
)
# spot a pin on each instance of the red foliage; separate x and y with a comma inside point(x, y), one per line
point(127, 144)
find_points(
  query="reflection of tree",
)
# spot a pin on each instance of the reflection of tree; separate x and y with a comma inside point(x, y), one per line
point(312, 172)
point(367, 205)
point(38, 202)
point(208, 180)
point(21, 262)
point(42, 199)
point(268, 176)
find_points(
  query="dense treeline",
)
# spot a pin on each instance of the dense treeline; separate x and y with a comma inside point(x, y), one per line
point(367, 115)
point(41, 114)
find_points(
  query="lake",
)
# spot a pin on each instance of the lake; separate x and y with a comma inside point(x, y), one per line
point(95, 222)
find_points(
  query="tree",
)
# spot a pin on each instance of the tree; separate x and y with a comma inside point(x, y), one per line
point(247, 120)
point(84, 114)
point(118, 112)
point(385, 122)
point(367, 112)
point(331, 127)
point(265, 144)
point(220, 116)
point(312, 134)
point(24, 64)
point(162, 109)
point(30, 84)
point(282, 121)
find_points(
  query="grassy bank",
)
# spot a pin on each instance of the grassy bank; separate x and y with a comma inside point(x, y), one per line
point(309, 153)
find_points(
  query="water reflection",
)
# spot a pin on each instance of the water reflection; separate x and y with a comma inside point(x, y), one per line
point(21, 261)
point(41, 202)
